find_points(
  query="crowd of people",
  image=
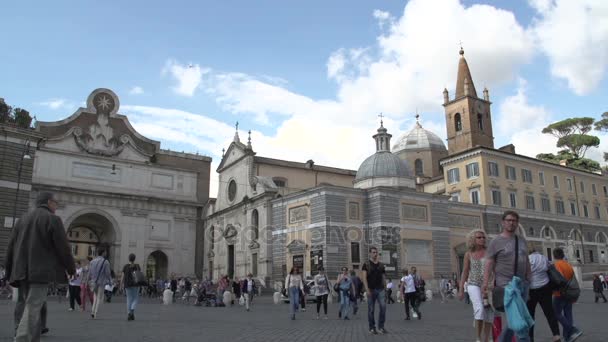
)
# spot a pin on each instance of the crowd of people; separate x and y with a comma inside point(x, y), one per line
point(504, 280)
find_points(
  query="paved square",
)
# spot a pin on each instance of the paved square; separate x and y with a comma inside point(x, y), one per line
point(268, 322)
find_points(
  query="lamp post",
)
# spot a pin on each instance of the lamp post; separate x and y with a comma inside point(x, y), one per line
point(25, 155)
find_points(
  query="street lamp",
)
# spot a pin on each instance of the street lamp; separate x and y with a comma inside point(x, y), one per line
point(25, 155)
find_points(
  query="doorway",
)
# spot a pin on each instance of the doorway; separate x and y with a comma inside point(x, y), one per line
point(230, 261)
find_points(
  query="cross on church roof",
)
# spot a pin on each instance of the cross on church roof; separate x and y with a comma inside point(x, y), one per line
point(381, 117)
point(237, 126)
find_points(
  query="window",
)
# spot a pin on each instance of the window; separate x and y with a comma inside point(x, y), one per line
point(531, 231)
point(585, 210)
point(355, 253)
point(559, 207)
point(593, 189)
point(513, 199)
point(541, 178)
point(418, 167)
point(280, 182)
point(496, 198)
point(231, 190)
point(605, 191)
point(545, 204)
point(582, 187)
point(453, 176)
point(590, 255)
point(597, 212)
point(480, 122)
point(212, 237)
point(549, 254)
point(90, 236)
point(474, 196)
point(547, 232)
point(510, 172)
point(472, 170)
point(530, 202)
point(572, 209)
point(556, 182)
point(457, 122)
point(76, 234)
point(569, 183)
point(255, 223)
point(493, 169)
point(254, 264)
point(74, 249)
point(353, 210)
point(526, 176)
point(455, 197)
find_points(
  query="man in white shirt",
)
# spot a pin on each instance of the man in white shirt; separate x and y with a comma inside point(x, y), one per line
point(409, 290)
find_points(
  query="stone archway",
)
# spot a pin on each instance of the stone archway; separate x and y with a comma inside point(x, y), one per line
point(157, 265)
point(88, 231)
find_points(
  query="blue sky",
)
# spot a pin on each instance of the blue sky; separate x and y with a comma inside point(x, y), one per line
point(309, 78)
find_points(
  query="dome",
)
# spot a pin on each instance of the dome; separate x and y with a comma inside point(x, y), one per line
point(383, 164)
point(419, 139)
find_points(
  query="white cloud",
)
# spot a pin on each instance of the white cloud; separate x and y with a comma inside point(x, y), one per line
point(522, 123)
point(56, 103)
point(188, 76)
point(336, 63)
point(137, 90)
point(383, 17)
point(574, 36)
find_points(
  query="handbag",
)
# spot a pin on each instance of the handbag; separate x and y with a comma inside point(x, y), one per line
point(498, 293)
point(571, 291)
point(284, 290)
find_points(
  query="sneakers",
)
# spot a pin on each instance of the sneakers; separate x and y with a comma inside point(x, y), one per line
point(419, 316)
point(44, 331)
point(70, 309)
point(373, 331)
point(575, 334)
point(318, 317)
point(346, 318)
point(325, 317)
point(382, 331)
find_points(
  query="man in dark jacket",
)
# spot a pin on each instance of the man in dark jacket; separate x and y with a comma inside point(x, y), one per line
point(38, 253)
point(598, 288)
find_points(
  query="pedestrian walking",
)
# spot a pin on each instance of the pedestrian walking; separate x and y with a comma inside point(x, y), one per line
point(347, 289)
point(248, 290)
point(85, 291)
point(389, 292)
point(354, 300)
point(373, 276)
point(540, 292)
point(38, 253)
point(419, 296)
point(408, 288)
point(322, 288)
point(100, 275)
point(294, 285)
point(563, 306)
point(74, 287)
point(598, 288)
point(507, 258)
point(471, 281)
point(443, 288)
point(129, 284)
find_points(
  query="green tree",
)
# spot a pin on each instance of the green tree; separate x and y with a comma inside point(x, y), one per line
point(602, 126)
point(574, 140)
point(5, 112)
point(22, 118)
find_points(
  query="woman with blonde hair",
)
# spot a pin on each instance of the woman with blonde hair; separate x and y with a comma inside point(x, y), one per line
point(472, 273)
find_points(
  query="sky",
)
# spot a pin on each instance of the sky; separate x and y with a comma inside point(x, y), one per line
point(308, 78)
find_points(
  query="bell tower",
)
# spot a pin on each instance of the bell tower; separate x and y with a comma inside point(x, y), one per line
point(468, 118)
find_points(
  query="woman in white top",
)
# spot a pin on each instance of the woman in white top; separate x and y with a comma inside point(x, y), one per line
point(294, 285)
point(408, 288)
point(322, 287)
point(472, 274)
point(74, 287)
point(541, 292)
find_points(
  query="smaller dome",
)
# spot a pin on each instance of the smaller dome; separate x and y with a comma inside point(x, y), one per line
point(383, 164)
point(419, 139)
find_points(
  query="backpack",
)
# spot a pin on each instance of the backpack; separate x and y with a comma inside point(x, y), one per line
point(571, 291)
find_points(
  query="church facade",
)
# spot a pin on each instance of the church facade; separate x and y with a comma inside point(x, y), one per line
point(119, 190)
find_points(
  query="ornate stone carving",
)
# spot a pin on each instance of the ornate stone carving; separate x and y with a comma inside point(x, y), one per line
point(254, 245)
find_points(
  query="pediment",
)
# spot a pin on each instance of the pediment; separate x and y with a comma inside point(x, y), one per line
point(296, 245)
point(98, 129)
point(236, 151)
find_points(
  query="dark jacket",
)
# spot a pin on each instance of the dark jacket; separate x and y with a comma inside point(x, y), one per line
point(597, 285)
point(38, 249)
point(244, 287)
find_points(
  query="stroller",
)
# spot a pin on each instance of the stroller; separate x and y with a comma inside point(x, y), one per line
point(205, 297)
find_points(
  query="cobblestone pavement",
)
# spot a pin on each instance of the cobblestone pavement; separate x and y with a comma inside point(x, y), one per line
point(451, 321)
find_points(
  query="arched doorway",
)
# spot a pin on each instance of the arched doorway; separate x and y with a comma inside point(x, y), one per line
point(89, 232)
point(157, 265)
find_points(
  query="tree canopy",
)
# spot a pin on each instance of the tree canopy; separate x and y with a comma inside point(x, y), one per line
point(17, 116)
point(574, 140)
point(602, 126)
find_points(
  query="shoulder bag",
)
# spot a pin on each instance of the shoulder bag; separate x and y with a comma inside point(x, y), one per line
point(556, 279)
point(498, 293)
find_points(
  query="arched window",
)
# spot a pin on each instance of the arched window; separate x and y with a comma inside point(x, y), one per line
point(419, 167)
point(255, 223)
point(212, 236)
point(457, 122)
point(531, 231)
point(480, 122)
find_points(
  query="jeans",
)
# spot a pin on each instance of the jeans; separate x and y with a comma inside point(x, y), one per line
point(322, 299)
point(378, 295)
point(132, 298)
point(294, 300)
point(30, 297)
point(247, 297)
point(507, 334)
point(563, 313)
point(542, 296)
point(98, 296)
point(74, 295)
point(344, 303)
